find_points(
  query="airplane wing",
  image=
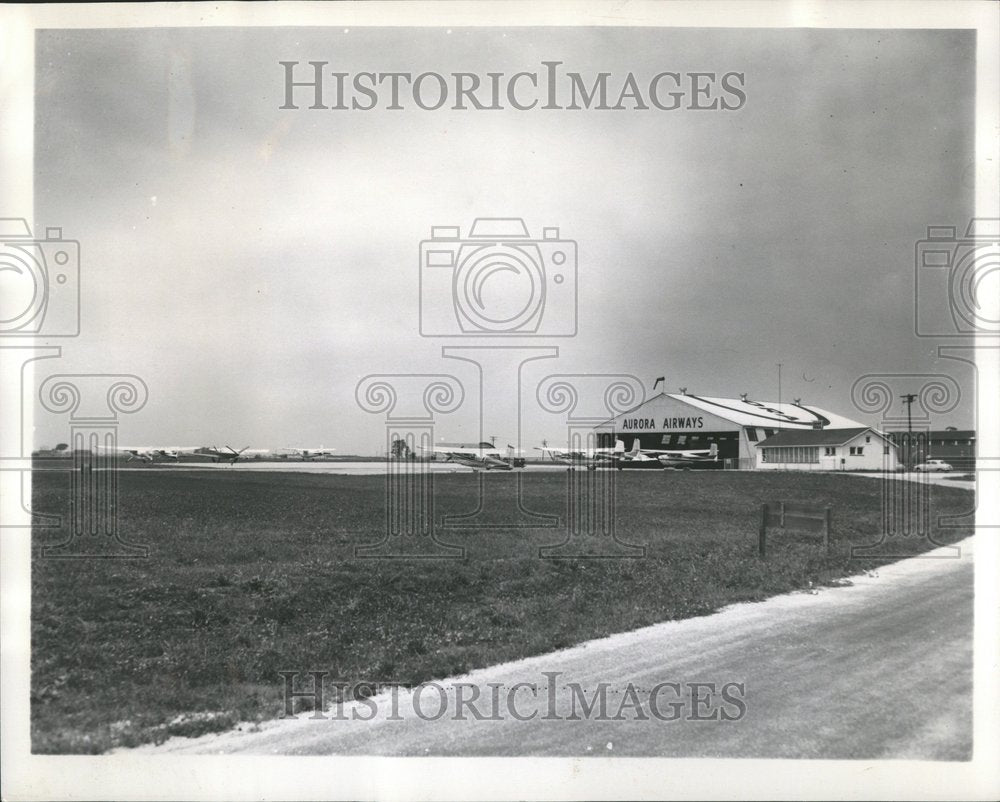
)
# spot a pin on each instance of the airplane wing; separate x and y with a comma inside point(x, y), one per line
point(689, 453)
point(137, 453)
point(462, 458)
point(563, 455)
point(689, 457)
point(669, 457)
point(473, 460)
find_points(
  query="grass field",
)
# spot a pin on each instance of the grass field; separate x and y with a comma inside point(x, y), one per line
point(252, 573)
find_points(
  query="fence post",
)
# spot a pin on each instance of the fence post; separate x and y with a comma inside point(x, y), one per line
point(826, 529)
point(762, 534)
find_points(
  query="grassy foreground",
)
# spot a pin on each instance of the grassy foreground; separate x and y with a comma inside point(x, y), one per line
point(250, 574)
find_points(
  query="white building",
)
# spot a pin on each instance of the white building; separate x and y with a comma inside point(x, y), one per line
point(736, 425)
point(855, 449)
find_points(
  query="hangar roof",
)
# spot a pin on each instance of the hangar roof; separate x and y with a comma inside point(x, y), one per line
point(752, 412)
point(815, 437)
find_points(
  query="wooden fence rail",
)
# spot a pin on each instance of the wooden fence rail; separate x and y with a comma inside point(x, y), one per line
point(804, 517)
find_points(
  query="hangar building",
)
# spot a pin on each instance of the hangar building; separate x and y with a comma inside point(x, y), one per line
point(687, 421)
point(957, 447)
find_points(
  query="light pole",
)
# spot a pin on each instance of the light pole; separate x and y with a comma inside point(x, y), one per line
point(908, 399)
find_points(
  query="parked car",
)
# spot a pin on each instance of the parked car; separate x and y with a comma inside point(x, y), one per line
point(933, 465)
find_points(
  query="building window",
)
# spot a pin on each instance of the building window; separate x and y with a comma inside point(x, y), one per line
point(885, 449)
point(682, 440)
point(751, 434)
point(829, 451)
point(857, 451)
point(792, 454)
point(868, 439)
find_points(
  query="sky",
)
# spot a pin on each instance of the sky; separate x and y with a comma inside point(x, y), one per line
point(253, 264)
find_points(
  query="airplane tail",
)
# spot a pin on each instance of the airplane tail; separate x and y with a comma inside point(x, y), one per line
point(635, 448)
point(619, 446)
point(236, 454)
point(713, 451)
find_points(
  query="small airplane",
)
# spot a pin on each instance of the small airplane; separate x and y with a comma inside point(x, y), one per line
point(173, 453)
point(215, 453)
point(484, 456)
point(144, 454)
point(591, 458)
point(673, 458)
point(295, 453)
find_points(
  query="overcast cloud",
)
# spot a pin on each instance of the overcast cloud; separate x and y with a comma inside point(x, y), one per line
point(251, 263)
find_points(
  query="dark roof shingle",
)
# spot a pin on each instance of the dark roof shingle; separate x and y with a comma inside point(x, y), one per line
point(813, 437)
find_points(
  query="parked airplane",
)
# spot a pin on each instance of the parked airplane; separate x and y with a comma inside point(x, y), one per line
point(295, 453)
point(218, 455)
point(484, 456)
point(174, 453)
point(673, 458)
point(145, 454)
point(591, 458)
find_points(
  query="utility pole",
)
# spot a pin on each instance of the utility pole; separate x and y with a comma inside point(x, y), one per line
point(493, 439)
point(908, 399)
